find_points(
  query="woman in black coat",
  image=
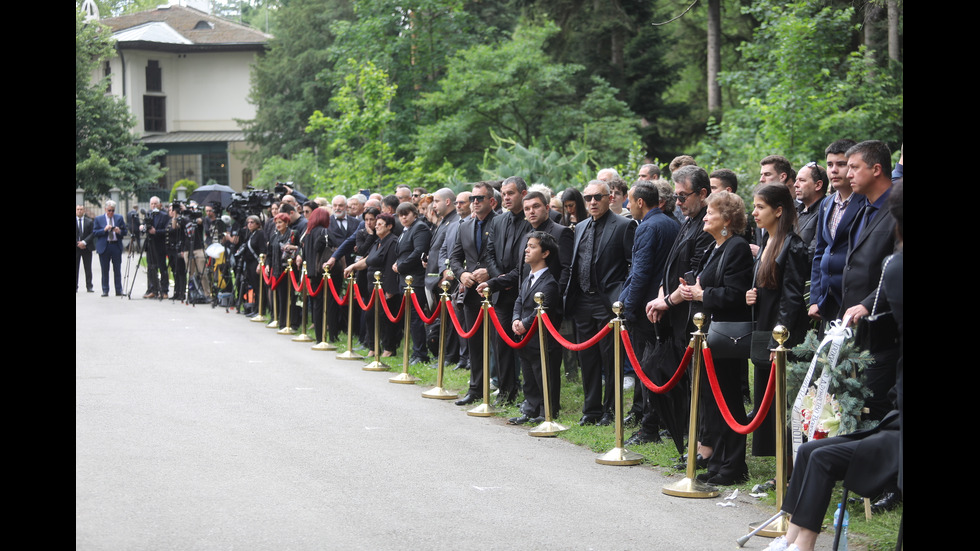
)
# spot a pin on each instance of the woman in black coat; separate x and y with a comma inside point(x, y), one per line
point(380, 256)
point(282, 248)
point(413, 245)
point(781, 270)
point(724, 277)
point(252, 247)
point(313, 242)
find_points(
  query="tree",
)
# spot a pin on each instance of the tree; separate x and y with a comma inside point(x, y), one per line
point(107, 153)
point(517, 91)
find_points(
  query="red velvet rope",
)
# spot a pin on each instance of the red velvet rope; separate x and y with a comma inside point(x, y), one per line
point(273, 282)
point(309, 289)
point(418, 310)
point(267, 275)
point(760, 414)
point(336, 297)
point(401, 309)
point(570, 345)
point(464, 334)
point(296, 286)
point(631, 354)
point(357, 295)
point(503, 335)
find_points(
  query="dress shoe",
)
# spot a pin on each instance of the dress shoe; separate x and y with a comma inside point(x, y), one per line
point(726, 480)
point(118, 294)
point(519, 420)
point(641, 437)
point(887, 502)
point(150, 295)
point(606, 420)
point(90, 290)
point(468, 399)
point(589, 420)
point(700, 462)
point(632, 420)
point(105, 294)
point(463, 364)
point(418, 360)
point(704, 477)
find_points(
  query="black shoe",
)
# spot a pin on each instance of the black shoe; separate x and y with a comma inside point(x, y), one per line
point(632, 420)
point(105, 294)
point(468, 399)
point(704, 477)
point(606, 420)
point(724, 480)
point(641, 437)
point(505, 398)
point(887, 502)
point(700, 462)
point(463, 364)
point(519, 420)
point(118, 294)
point(418, 360)
point(90, 290)
point(589, 420)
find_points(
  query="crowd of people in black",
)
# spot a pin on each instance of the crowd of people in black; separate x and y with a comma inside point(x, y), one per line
point(809, 249)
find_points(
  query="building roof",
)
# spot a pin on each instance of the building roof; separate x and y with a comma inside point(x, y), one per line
point(196, 137)
point(178, 28)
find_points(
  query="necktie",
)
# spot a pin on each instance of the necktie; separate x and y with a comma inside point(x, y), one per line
point(585, 258)
point(112, 234)
point(479, 235)
point(79, 227)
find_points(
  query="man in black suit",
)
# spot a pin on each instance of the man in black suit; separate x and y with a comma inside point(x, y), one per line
point(600, 264)
point(157, 279)
point(811, 188)
point(539, 262)
point(872, 238)
point(341, 228)
point(84, 240)
point(507, 233)
point(834, 220)
point(469, 260)
point(443, 239)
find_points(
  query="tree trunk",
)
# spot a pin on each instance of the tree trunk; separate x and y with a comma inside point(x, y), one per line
point(714, 54)
point(893, 30)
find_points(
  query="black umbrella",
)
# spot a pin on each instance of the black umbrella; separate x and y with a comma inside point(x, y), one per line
point(673, 406)
point(214, 193)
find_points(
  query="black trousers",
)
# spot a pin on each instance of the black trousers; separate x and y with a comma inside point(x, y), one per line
point(505, 355)
point(157, 279)
point(590, 316)
point(474, 346)
point(819, 465)
point(83, 257)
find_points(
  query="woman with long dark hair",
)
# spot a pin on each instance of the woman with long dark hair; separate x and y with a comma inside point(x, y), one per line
point(777, 292)
point(574, 205)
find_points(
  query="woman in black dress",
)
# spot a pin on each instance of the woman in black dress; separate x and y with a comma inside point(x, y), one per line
point(313, 242)
point(380, 257)
point(724, 277)
point(253, 246)
point(776, 295)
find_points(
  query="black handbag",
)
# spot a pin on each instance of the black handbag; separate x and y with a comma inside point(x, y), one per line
point(731, 339)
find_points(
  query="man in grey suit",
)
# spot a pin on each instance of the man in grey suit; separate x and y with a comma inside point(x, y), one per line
point(872, 238)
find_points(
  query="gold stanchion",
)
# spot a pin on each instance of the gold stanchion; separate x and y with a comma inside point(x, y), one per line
point(288, 330)
point(379, 294)
point(689, 486)
point(404, 377)
point(548, 427)
point(325, 344)
point(258, 317)
point(618, 455)
point(439, 393)
point(302, 336)
point(778, 527)
point(350, 354)
point(485, 409)
point(273, 319)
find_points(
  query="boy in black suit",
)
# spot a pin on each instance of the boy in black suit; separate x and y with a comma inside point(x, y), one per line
point(542, 261)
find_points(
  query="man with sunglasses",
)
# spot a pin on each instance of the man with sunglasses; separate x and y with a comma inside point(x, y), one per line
point(110, 228)
point(469, 260)
point(600, 264)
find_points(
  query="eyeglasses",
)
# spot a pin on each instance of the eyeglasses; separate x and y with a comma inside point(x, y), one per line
point(461, 203)
point(416, 195)
point(682, 197)
point(477, 198)
point(597, 197)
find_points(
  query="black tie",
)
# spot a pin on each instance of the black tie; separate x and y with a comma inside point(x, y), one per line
point(479, 235)
point(585, 260)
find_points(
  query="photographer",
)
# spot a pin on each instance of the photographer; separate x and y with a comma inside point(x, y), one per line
point(252, 245)
point(175, 238)
point(154, 227)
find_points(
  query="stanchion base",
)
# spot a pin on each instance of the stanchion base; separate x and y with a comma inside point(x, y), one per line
point(286, 331)
point(619, 456)
point(688, 487)
point(258, 319)
point(774, 529)
point(548, 428)
point(439, 393)
point(404, 379)
point(324, 346)
point(376, 366)
point(483, 410)
point(273, 324)
point(349, 356)
point(302, 337)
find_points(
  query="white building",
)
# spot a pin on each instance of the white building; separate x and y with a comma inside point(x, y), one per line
point(185, 76)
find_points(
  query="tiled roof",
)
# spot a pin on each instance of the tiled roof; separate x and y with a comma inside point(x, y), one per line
point(192, 26)
point(195, 137)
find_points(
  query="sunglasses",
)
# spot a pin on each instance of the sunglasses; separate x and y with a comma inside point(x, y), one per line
point(597, 197)
point(477, 198)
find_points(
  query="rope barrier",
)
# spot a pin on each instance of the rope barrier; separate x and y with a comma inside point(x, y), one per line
point(401, 309)
point(309, 288)
point(336, 297)
point(570, 345)
point(760, 414)
point(357, 295)
point(464, 334)
point(631, 354)
point(298, 287)
point(418, 309)
point(503, 334)
point(273, 282)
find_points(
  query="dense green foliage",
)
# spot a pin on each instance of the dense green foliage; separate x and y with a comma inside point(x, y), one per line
point(476, 88)
point(107, 153)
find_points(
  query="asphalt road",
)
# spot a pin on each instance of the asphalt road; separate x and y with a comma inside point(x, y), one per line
point(197, 429)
